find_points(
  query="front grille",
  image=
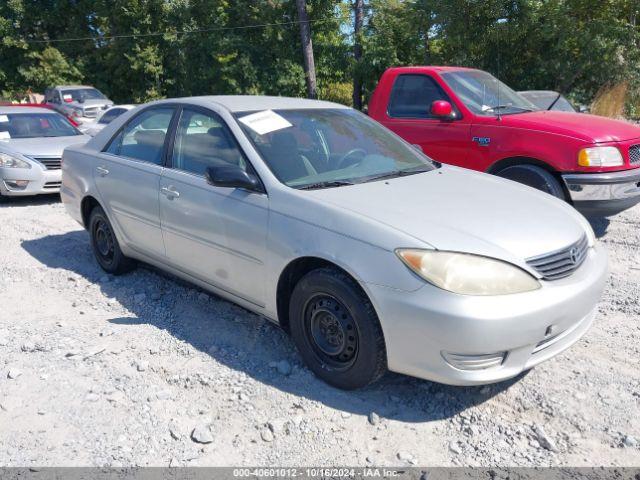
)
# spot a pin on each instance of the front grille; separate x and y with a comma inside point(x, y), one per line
point(91, 112)
point(562, 263)
point(52, 185)
point(51, 163)
point(634, 154)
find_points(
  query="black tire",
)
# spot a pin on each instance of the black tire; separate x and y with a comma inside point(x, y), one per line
point(105, 244)
point(336, 329)
point(535, 177)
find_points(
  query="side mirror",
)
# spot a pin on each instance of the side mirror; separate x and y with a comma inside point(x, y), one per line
point(441, 109)
point(232, 176)
point(81, 99)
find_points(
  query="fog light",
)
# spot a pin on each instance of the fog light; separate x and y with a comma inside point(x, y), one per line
point(16, 184)
point(474, 362)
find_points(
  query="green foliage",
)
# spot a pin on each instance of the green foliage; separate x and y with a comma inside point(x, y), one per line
point(47, 67)
point(193, 47)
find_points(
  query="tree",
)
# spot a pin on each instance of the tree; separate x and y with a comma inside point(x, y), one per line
point(307, 49)
point(358, 18)
point(46, 68)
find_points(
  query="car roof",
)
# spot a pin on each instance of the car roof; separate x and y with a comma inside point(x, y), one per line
point(74, 86)
point(434, 68)
point(127, 106)
point(7, 110)
point(244, 103)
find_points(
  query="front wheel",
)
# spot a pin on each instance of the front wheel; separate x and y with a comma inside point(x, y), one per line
point(534, 177)
point(336, 329)
point(105, 244)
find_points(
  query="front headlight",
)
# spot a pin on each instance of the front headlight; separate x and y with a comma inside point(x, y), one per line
point(468, 274)
point(8, 161)
point(600, 157)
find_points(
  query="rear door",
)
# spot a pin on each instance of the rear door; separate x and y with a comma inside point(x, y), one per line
point(215, 234)
point(408, 115)
point(127, 176)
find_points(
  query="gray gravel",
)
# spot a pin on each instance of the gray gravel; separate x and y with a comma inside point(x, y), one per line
point(147, 370)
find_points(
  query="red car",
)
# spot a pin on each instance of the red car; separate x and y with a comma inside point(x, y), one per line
point(41, 105)
point(468, 118)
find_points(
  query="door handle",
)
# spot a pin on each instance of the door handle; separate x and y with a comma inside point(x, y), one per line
point(102, 171)
point(170, 192)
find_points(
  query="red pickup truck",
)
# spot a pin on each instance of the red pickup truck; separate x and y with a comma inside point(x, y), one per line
point(468, 118)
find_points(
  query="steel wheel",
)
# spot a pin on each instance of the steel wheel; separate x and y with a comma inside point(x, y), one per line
point(105, 243)
point(331, 331)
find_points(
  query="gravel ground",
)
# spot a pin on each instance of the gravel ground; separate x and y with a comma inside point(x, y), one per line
point(147, 370)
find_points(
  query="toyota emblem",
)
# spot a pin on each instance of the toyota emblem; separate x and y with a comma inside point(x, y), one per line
point(573, 255)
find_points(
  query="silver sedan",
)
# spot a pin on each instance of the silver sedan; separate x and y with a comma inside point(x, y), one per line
point(31, 143)
point(314, 216)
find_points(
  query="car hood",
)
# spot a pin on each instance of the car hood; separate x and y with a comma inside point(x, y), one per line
point(460, 210)
point(42, 146)
point(591, 128)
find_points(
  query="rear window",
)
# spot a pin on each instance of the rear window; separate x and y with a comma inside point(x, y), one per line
point(34, 125)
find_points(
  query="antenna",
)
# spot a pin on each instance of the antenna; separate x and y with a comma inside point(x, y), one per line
point(499, 22)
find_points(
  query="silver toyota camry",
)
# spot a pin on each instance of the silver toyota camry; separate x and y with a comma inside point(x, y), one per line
point(370, 254)
point(31, 143)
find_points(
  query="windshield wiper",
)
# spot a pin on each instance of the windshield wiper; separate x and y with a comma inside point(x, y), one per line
point(502, 107)
point(327, 184)
point(397, 173)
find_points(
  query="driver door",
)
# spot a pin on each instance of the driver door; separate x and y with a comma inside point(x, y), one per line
point(215, 234)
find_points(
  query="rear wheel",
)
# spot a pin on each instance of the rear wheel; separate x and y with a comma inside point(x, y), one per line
point(535, 177)
point(105, 244)
point(336, 329)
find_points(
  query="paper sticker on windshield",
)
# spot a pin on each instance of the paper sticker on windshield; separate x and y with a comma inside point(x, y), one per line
point(264, 122)
point(67, 96)
point(5, 135)
point(4, 118)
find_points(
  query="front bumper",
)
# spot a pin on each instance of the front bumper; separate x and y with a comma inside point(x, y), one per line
point(421, 328)
point(604, 194)
point(40, 181)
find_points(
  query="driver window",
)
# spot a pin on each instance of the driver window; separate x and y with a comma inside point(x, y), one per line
point(412, 96)
point(204, 140)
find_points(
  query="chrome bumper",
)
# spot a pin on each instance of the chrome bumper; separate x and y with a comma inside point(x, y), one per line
point(604, 193)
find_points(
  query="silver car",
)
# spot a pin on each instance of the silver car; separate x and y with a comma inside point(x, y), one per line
point(105, 118)
point(31, 143)
point(314, 216)
point(84, 103)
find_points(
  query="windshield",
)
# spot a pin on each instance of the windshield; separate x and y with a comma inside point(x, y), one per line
point(82, 93)
point(32, 125)
point(484, 94)
point(316, 148)
point(548, 100)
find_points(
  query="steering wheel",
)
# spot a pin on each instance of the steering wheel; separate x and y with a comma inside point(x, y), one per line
point(343, 163)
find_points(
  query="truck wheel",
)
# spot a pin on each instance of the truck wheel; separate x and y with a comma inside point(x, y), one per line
point(105, 244)
point(535, 177)
point(336, 329)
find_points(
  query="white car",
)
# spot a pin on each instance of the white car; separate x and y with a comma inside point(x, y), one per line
point(31, 143)
point(105, 118)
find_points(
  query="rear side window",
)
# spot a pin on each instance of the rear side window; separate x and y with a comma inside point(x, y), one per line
point(111, 115)
point(412, 96)
point(143, 137)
